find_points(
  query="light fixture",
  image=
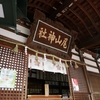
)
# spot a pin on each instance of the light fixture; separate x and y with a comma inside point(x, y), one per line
point(16, 48)
point(70, 4)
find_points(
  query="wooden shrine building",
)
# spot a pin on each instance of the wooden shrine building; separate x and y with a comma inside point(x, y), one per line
point(50, 50)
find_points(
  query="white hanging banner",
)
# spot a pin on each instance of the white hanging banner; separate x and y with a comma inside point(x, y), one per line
point(35, 64)
point(49, 66)
point(46, 65)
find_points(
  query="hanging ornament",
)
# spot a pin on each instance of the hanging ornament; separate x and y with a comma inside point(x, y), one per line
point(36, 57)
point(76, 66)
point(66, 65)
point(45, 59)
point(16, 48)
point(71, 63)
point(53, 60)
point(44, 63)
point(59, 60)
point(26, 50)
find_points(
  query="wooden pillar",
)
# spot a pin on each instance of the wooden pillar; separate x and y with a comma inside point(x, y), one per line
point(86, 75)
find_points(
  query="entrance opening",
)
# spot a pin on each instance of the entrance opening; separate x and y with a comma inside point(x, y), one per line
point(58, 83)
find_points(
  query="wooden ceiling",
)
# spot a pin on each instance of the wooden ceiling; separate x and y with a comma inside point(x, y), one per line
point(82, 16)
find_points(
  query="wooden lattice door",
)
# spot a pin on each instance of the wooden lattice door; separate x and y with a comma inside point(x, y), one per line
point(18, 62)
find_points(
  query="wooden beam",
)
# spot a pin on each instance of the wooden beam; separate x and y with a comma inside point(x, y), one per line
point(88, 15)
point(43, 1)
point(90, 42)
point(38, 7)
point(50, 2)
point(65, 23)
point(81, 21)
point(74, 24)
point(62, 7)
point(70, 20)
point(93, 6)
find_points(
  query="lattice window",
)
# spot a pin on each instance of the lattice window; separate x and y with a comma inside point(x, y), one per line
point(18, 62)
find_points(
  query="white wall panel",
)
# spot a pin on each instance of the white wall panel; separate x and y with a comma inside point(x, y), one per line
point(92, 69)
point(12, 35)
point(90, 62)
point(75, 57)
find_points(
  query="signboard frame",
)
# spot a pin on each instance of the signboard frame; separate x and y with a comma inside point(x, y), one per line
point(65, 36)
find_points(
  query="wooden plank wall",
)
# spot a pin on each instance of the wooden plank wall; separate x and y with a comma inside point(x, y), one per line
point(95, 85)
point(78, 74)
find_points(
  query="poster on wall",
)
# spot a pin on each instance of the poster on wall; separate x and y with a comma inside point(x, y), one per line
point(75, 84)
point(7, 78)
